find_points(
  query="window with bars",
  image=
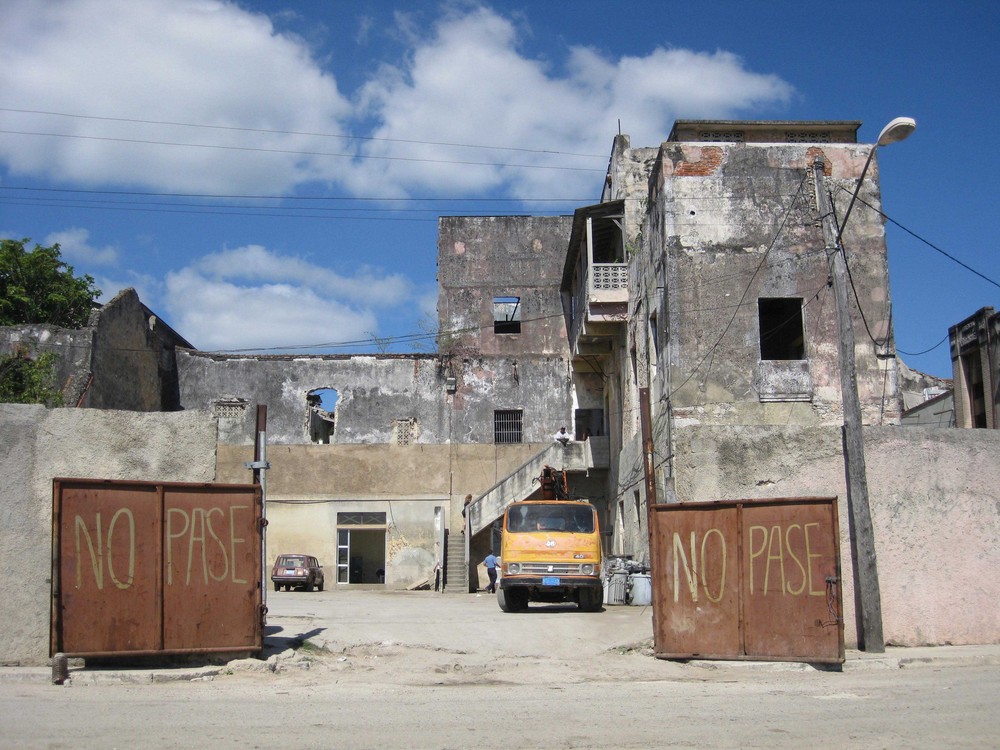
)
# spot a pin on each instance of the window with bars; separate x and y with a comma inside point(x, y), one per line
point(403, 431)
point(230, 409)
point(506, 315)
point(361, 518)
point(507, 426)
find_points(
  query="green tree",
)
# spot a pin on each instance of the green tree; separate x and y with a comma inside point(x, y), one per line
point(36, 286)
point(29, 381)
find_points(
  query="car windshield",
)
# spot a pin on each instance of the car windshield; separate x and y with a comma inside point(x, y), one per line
point(578, 519)
point(291, 562)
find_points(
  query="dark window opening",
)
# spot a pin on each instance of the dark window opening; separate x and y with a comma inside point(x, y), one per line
point(507, 426)
point(973, 366)
point(506, 315)
point(589, 423)
point(781, 330)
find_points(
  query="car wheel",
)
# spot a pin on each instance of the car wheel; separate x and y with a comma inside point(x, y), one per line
point(277, 587)
point(319, 586)
point(309, 586)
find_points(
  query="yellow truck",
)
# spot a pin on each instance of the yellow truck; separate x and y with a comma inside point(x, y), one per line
point(550, 551)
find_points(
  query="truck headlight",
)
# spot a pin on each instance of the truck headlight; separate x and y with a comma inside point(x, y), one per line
point(513, 568)
point(587, 569)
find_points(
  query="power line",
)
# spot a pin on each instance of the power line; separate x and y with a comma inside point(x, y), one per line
point(238, 196)
point(293, 152)
point(927, 242)
point(238, 129)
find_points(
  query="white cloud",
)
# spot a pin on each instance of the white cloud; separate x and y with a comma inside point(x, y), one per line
point(74, 245)
point(213, 63)
point(469, 84)
point(252, 298)
point(189, 61)
point(256, 263)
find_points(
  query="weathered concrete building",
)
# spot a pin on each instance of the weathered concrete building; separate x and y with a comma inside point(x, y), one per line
point(122, 359)
point(975, 359)
point(720, 334)
point(372, 456)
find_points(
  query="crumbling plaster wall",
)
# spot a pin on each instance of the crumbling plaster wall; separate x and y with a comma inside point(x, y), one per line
point(373, 390)
point(72, 347)
point(935, 506)
point(730, 223)
point(481, 258)
point(122, 359)
point(307, 485)
point(37, 445)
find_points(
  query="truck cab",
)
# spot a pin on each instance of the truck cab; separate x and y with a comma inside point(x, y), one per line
point(550, 551)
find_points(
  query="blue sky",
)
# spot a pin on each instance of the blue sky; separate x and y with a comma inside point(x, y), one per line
point(269, 174)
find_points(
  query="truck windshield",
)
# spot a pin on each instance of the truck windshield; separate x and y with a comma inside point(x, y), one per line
point(573, 519)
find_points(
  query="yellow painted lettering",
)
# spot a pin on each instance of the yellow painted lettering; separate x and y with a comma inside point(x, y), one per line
point(233, 541)
point(171, 536)
point(756, 552)
point(773, 557)
point(222, 547)
point(197, 536)
point(95, 555)
point(131, 548)
point(790, 549)
point(704, 565)
point(692, 576)
point(809, 558)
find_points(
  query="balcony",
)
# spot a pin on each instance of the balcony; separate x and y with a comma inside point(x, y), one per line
point(595, 277)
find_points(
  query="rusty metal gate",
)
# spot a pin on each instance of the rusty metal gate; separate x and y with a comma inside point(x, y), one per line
point(144, 568)
point(747, 579)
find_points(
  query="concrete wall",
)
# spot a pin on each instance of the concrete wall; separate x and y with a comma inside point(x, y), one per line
point(308, 485)
point(373, 390)
point(123, 358)
point(37, 445)
point(730, 224)
point(935, 504)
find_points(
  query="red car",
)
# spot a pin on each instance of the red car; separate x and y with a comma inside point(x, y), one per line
point(300, 571)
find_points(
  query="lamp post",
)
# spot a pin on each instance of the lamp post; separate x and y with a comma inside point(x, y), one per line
point(868, 604)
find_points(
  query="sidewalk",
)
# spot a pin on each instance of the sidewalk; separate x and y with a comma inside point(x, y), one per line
point(894, 658)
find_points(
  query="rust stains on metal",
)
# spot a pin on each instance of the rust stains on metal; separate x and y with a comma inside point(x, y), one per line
point(748, 579)
point(148, 568)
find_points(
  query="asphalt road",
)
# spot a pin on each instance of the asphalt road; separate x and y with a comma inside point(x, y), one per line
point(418, 670)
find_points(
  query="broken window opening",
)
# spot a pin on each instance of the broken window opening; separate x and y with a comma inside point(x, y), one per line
point(507, 426)
point(608, 239)
point(506, 315)
point(782, 334)
point(322, 405)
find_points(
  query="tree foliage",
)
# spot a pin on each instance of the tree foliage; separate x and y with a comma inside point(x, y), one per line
point(36, 286)
point(29, 381)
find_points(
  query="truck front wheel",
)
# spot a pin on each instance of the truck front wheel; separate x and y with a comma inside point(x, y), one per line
point(591, 600)
point(512, 600)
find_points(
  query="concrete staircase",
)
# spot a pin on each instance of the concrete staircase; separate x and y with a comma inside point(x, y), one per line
point(523, 482)
point(456, 569)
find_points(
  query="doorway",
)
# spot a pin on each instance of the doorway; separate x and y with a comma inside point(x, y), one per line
point(360, 548)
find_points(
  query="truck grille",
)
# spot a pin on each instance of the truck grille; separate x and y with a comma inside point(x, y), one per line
point(566, 569)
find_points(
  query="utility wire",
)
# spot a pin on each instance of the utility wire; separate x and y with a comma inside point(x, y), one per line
point(927, 242)
point(234, 128)
point(293, 152)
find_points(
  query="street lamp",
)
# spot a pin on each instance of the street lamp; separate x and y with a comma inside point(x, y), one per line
point(868, 604)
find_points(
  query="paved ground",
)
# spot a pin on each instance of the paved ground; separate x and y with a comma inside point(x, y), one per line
point(355, 669)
